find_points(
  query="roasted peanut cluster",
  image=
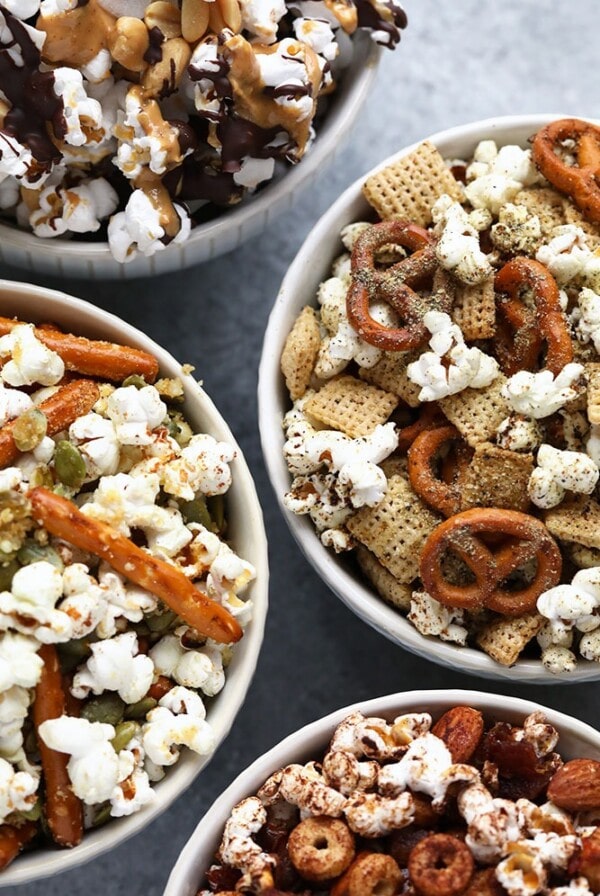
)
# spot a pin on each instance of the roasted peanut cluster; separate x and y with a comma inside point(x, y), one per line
point(462, 806)
point(133, 120)
point(446, 396)
point(120, 597)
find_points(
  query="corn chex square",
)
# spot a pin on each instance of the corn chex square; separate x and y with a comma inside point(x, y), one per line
point(300, 352)
point(390, 589)
point(351, 406)
point(390, 374)
point(396, 529)
point(591, 230)
point(497, 477)
point(477, 413)
point(505, 639)
point(578, 522)
point(409, 187)
point(474, 310)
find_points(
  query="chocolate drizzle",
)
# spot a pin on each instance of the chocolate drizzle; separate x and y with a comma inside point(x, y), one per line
point(31, 95)
point(154, 52)
point(368, 17)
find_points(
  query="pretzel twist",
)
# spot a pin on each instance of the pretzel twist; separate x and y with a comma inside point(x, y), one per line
point(524, 539)
point(440, 495)
point(544, 323)
point(395, 285)
point(581, 181)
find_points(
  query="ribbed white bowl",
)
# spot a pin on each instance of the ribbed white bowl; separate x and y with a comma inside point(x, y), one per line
point(576, 740)
point(66, 258)
point(312, 265)
point(246, 533)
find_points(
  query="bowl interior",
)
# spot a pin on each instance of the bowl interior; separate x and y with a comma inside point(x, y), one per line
point(576, 740)
point(93, 260)
point(35, 304)
point(312, 265)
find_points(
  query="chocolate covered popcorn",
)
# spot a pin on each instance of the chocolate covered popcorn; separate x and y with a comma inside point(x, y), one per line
point(131, 121)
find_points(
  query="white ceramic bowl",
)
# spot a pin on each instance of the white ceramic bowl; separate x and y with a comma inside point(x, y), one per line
point(246, 532)
point(90, 260)
point(576, 740)
point(311, 265)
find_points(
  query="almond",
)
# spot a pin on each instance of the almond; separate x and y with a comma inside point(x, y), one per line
point(576, 786)
point(460, 728)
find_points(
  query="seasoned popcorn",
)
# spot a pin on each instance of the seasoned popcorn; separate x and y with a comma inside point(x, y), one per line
point(480, 316)
point(148, 121)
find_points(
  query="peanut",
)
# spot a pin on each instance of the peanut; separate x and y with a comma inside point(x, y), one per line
point(225, 14)
point(129, 43)
point(163, 78)
point(194, 19)
point(165, 17)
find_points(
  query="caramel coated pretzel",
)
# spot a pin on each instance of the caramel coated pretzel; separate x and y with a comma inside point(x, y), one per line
point(430, 416)
point(581, 181)
point(532, 327)
point(63, 519)
point(92, 357)
point(13, 839)
point(395, 285)
point(445, 497)
point(525, 538)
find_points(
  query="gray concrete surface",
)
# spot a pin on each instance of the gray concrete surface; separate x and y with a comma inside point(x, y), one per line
point(457, 62)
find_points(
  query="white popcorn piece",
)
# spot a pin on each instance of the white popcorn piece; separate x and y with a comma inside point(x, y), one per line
point(345, 773)
point(30, 605)
point(432, 618)
point(466, 367)
point(517, 433)
point(203, 466)
point(77, 106)
point(286, 68)
point(42, 454)
point(377, 738)
point(17, 790)
point(541, 394)
point(201, 668)
point(182, 700)
point(585, 317)
point(132, 793)
point(13, 403)
point(261, 18)
point(522, 872)
point(492, 823)
point(135, 413)
point(373, 815)
point(97, 440)
point(317, 34)
point(517, 232)
point(14, 707)
point(589, 646)
point(84, 600)
point(163, 732)
point(122, 600)
point(577, 887)
point(496, 176)
point(570, 607)
point(138, 228)
point(30, 361)
point(569, 258)
point(458, 249)
point(253, 172)
point(142, 149)
point(426, 767)
point(238, 848)
point(10, 478)
point(94, 768)
point(20, 663)
point(305, 787)
point(79, 209)
point(558, 472)
point(115, 665)
point(543, 737)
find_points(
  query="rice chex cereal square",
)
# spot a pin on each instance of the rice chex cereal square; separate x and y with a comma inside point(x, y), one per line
point(396, 529)
point(390, 374)
point(474, 310)
point(300, 352)
point(351, 406)
point(477, 413)
point(505, 639)
point(497, 477)
point(390, 589)
point(409, 187)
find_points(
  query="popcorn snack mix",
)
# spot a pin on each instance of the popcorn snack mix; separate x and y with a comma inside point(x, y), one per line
point(120, 598)
point(132, 120)
point(445, 419)
point(464, 805)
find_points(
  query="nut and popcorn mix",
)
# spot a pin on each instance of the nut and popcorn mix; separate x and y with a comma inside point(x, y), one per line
point(120, 598)
point(446, 394)
point(464, 805)
point(135, 120)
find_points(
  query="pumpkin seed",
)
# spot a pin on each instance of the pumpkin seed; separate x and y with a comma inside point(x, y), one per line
point(140, 709)
point(29, 429)
point(107, 707)
point(123, 734)
point(69, 464)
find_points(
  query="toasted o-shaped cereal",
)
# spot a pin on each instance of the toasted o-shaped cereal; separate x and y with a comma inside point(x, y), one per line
point(321, 848)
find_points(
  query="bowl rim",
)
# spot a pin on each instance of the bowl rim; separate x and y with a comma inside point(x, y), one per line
point(272, 402)
point(43, 863)
point(268, 202)
point(300, 744)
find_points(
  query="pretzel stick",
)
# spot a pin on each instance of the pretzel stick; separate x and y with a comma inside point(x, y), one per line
point(61, 409)
point(64, 520)
point(92, 357)
point(64, 811)
point(13, 839)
